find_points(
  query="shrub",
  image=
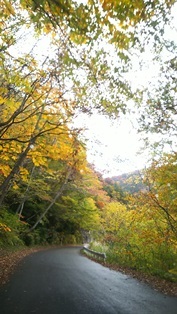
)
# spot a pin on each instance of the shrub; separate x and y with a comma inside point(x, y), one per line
point(10, 228)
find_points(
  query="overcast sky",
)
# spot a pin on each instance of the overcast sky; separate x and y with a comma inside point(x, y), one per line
point(112, 146)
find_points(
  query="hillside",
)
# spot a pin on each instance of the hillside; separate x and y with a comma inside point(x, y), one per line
point(131, 182)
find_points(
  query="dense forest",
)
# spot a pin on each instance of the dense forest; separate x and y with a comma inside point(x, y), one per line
point(59, 59)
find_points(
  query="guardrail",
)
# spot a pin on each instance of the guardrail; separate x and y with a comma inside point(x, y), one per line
point(94, 253)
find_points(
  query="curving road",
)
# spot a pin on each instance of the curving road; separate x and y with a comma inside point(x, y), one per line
point(62, 281)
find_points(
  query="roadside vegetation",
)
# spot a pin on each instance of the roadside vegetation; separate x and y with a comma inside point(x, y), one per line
point(141, 230)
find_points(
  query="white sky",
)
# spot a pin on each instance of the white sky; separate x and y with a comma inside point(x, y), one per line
point(112, 146)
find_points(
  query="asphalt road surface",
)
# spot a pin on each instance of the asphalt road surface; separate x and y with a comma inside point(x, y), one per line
point(62, 281)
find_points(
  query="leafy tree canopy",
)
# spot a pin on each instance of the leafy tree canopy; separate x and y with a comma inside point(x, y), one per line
point(93, 41)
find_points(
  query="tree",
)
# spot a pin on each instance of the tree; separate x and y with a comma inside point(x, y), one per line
point(97, 37)
point(64, 199)
point(115, 191)
point(41, 126)
point(86, 21)
point(160, 179)
point(157, 103)
point(31, 106)
point(161, 112)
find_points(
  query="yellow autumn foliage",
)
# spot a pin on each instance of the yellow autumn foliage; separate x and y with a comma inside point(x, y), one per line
point(4, 227)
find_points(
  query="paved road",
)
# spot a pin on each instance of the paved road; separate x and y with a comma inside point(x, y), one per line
point(61, 281)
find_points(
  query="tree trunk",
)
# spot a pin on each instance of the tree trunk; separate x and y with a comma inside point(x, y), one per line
point(5, 185)
point(58, 194)
point(25, 195)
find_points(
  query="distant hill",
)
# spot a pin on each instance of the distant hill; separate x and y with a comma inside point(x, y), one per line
point(129, 182)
